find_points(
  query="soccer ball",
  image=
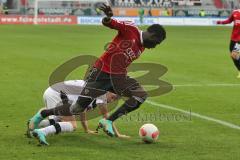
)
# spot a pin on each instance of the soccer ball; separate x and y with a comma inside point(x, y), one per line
point(149, 133)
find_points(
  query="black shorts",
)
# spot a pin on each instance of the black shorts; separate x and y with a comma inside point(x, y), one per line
point(234, 46)
point(122, 85)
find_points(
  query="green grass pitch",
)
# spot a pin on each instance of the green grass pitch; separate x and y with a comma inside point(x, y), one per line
point(193, 55)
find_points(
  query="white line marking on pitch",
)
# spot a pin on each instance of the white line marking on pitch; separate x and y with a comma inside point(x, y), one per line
point(208, 85)
point(224, 123)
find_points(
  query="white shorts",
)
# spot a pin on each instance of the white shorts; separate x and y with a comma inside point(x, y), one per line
point(52, 99)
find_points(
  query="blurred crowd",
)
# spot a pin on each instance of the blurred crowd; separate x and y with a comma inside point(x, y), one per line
point(156, 3)
point(3, 8)
point(200, 8)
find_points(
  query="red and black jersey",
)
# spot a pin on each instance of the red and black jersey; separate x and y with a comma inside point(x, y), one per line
point(235, 18)
point(123, 50)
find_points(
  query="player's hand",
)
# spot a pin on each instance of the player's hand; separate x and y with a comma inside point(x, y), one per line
point(64, 97)
point(219, 22)
point(106, 9)
point(91, 132)
point(123, 136)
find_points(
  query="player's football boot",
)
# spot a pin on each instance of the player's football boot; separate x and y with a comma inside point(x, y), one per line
point(33, 124)
point(238, 75)
point(40, 136)
point(29, 131)
point(107, 127)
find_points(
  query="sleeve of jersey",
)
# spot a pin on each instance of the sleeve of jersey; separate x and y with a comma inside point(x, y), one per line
point(115, 24)
point(229, 20)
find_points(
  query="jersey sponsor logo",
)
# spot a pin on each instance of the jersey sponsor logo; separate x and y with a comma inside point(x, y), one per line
point(131, 56)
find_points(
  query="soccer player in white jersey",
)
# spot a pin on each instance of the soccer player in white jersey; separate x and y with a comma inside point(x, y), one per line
point(55, 96)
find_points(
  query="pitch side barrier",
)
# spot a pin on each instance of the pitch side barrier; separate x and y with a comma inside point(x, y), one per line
point(96, 20)
point(170, 21)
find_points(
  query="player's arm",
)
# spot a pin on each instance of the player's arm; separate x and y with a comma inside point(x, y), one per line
point(84, 123)
point(104, 112)
point(108, 21)
point(227, 21)
point(119, 135)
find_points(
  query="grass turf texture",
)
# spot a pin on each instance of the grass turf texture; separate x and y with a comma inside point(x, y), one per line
point(193, 55)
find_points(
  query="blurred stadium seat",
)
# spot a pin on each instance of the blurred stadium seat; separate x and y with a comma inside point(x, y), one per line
point(157, 3)
point(78, 8)
point(209, 4)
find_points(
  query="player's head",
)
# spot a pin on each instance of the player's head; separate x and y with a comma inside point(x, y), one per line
point(154, 35)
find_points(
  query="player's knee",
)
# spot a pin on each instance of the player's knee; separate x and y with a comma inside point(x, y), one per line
point(132, 104)
point(135, 102)
point(141, 97)
point(234, 55)
point(145, 96)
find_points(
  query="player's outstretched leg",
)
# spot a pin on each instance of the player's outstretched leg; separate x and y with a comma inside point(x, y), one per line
point(237, 64)
point(130, 105)
point(63, 110)
point(57, 128)
point(126, 87)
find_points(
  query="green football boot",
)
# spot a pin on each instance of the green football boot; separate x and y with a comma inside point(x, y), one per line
point(107, 127)
point(33, 124)
point(40, 136)
point(238, 75)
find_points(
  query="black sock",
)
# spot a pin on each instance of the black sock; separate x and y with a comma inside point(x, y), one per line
point(63, 110)
point(47, 112)
point(237, 63)
point(129, 106)
point(58, 128)
point(52, 121)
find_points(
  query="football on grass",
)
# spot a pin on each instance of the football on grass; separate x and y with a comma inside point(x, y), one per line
point(149, 133)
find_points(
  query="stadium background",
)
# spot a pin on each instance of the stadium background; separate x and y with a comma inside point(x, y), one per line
point(199, 67)
point(76, 12)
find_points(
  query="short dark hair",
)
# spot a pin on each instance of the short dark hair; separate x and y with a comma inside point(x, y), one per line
point(158, 30)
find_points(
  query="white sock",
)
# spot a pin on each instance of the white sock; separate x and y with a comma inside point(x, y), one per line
point(64, 127)
point(48, 130)
point(48, 122)
point(44, 123)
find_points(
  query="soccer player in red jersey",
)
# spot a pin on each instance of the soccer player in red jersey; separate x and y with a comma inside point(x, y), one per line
point(109, 73)
point(235, 38)
point(110, 70)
